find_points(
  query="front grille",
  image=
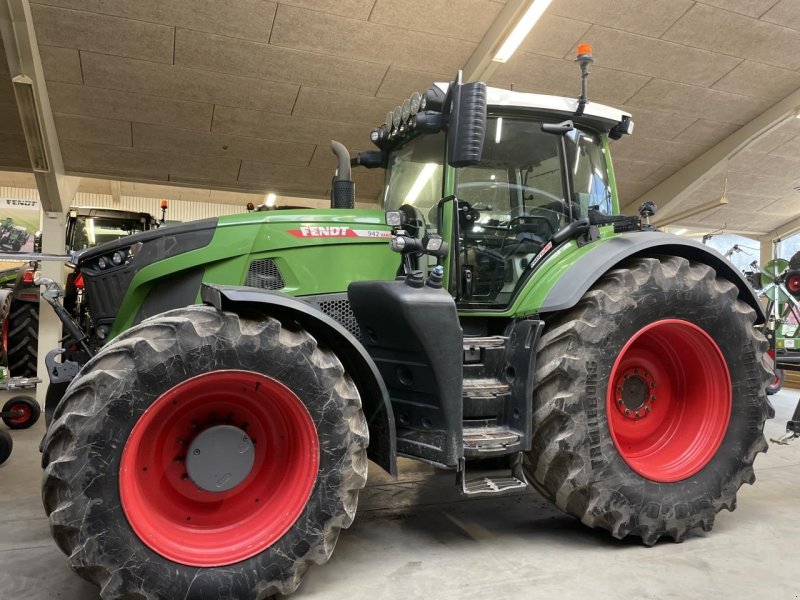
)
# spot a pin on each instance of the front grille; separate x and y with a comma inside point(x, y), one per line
point(337, 307)
point(265, 274)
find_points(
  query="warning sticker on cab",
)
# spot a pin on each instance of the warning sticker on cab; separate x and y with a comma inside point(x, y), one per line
point(337, 231)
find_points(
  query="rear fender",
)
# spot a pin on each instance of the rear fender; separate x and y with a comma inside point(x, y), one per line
point(374, 396)
point(590, 267)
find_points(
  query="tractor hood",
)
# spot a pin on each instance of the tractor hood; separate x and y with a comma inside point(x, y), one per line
point(299, 252)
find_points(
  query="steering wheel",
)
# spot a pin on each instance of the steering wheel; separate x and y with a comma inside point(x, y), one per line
point(516, 221)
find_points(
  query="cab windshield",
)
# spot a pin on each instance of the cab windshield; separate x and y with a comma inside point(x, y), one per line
point(514, 201)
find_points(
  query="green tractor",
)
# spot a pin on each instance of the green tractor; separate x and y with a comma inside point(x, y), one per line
point(497, 307)
point(86, 227)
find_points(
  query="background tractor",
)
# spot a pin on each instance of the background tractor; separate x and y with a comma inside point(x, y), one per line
point(498, 307)
point(86, 227)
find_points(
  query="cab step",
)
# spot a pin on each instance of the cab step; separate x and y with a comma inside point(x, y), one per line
point(484, 387)
point(488, 439)
point(493, 485)
point(490, 341)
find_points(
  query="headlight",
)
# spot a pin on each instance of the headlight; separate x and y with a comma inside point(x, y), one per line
point(117, 257)
point(397, 116)
point(102, 262)
point(414, 102)
point(423, 102)
point(433, 243)
point(389, 119)
point(406, 110)
point(394, 218)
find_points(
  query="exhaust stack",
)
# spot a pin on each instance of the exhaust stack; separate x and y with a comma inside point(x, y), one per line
point(343, 190)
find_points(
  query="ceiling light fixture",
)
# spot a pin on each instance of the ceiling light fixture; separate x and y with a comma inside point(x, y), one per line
point(31, 124)
point(521, 30)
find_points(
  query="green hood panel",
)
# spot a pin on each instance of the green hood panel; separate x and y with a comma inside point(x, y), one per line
point(317, 252)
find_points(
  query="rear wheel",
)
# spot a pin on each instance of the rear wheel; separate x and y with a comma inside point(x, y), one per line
point(23, 338)
point(25, 412)
point(200, 451)
point(650, 401)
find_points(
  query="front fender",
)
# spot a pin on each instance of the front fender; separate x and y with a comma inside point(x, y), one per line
point(358, 364)
point(591, 266)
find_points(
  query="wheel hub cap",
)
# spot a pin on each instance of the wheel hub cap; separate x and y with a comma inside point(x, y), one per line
point(635, 393)
point(220, 458)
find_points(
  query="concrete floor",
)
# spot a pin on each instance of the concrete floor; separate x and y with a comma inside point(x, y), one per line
point(416, 538)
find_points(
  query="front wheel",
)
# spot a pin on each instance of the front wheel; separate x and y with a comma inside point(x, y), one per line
point(650, 401)
point(201, 452)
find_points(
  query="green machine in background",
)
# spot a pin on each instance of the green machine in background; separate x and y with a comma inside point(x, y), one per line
point(231, 376)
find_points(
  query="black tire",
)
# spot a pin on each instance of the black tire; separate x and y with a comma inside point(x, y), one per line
point(32, 412)
point(23, 338)
point(776, 384)
point(6, 297)
point(6, 445)
point(84, 446)
point(574, 461)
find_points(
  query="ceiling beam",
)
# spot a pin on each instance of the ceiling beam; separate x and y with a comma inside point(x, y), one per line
point(782, 231)
point(670, 193)
point(660, 221)
point(480, 65)
point(56, 189)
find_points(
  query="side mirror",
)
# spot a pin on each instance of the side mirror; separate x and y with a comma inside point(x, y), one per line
point(467, 124)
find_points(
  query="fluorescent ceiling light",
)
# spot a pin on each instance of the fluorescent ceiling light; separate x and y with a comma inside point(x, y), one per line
point(31, 126)
point(521, 30)
point(427, 172)
point(270, 200)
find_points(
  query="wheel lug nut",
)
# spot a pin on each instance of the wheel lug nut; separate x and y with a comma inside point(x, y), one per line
point(653, 398)
point(627, 411)
point(178, 459)
point(181, 441)
point(185, 476)
point(636, 414)
point(647, 408)
point(619, 400)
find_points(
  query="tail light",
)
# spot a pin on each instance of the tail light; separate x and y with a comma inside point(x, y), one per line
point(78, 281)
point(27, 276)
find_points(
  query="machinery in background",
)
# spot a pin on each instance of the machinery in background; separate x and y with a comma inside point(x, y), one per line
point(86, 227)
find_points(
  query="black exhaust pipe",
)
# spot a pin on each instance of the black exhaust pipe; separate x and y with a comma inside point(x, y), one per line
point(343, 190)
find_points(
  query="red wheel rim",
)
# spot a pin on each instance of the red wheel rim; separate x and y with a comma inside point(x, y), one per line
point(24, 417)
point(190, 526)
point(669, 400)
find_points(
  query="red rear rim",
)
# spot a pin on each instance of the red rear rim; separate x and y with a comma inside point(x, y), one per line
point(669, 400)
point(190, 526)
point(22, 418)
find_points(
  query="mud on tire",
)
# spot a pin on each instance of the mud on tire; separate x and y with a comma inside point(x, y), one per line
point(84, 446)
point(574, 461)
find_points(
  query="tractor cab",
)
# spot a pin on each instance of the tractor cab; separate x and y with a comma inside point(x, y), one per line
point(539, 169)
